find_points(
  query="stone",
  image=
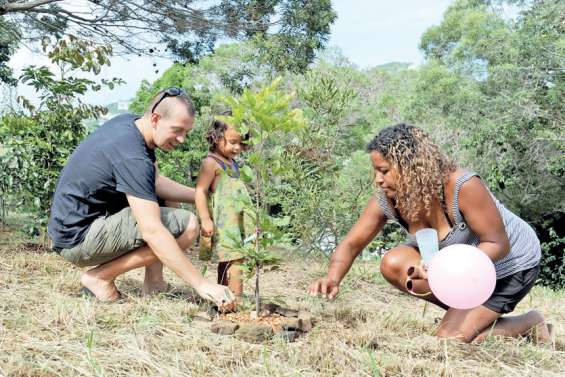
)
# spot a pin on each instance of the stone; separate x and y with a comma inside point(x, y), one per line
point(224, 328)
point(254, 333)
point(264, 313)
point(269, 307)
point(203, 316)
point(307, 319)
point(287, 312)
point(292, 324)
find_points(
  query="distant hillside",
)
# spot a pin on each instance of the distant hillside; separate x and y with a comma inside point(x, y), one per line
point(393, 66)
point(114, 109)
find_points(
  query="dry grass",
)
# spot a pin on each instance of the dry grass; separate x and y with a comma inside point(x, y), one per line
point(46, 329)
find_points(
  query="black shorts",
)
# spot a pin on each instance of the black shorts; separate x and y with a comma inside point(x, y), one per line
point(511, 289)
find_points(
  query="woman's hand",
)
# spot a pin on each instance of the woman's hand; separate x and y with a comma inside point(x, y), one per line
point(417, 272)
point(365, 229)
point(417, 280)
point(327, 287)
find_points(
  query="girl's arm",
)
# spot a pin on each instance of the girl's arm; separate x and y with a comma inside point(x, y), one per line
point(365, 229)
point(482, 216)
point(203, 183)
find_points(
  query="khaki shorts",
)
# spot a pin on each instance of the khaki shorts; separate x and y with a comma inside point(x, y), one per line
point(113, 236)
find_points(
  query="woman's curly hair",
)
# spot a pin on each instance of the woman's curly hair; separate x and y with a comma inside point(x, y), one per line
point(217, 129)
point(422, 168)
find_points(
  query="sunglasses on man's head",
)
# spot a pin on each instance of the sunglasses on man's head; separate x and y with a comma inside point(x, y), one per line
point(170, 92)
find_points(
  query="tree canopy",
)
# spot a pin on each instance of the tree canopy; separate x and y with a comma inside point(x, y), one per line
point(186, 29)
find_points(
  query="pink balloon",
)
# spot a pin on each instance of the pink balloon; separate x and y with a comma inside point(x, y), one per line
point(461, 276)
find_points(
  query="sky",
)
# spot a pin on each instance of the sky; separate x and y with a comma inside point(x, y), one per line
point(368, 32)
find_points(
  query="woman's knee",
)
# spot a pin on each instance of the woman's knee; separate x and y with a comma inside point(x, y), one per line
point(396, 261)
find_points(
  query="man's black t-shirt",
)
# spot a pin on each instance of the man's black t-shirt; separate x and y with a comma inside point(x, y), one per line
point(111, 162)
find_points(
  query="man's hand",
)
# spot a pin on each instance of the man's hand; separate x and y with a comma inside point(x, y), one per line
point(218, 294)
point(207, 229)
point(327, 287)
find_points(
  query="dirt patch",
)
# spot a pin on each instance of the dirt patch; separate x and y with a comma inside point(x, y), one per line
point(274, 320)
point(33, 248)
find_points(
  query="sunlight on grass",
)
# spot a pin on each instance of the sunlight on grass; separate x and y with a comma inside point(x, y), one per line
point(46, 329)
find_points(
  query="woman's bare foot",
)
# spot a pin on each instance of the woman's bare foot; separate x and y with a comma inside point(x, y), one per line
point(541, 332)
point(103, 290)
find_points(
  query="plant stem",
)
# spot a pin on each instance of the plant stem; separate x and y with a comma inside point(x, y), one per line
point(257, 297)
point(257, 224)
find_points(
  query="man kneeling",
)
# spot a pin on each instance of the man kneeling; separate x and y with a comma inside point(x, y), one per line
point(105, 210)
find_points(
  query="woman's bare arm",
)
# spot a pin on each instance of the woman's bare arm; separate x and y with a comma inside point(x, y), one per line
point(482, 216)
point(365, 229)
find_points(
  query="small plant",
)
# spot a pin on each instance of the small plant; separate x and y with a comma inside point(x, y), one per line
point(266, 116)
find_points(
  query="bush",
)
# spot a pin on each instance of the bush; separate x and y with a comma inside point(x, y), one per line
point(552, 267)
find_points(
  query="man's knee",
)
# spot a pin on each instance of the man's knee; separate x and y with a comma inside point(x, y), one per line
point(192, 227)
point(190, 233)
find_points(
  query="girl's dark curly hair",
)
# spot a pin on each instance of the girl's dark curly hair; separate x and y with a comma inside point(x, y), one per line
point(217, 129)
point(421, 167)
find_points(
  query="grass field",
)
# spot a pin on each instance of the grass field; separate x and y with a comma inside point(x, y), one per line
point(47, 329)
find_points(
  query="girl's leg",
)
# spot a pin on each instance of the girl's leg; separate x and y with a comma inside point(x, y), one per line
point(223, 273)
point(478, 323)
point(235, 280)
point(229, 274)
point(394, 268)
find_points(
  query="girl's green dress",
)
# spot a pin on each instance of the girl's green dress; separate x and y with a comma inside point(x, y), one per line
point(230, 208)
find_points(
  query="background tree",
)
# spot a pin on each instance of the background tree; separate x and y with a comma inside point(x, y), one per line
point(36, 142)
point(187, 29)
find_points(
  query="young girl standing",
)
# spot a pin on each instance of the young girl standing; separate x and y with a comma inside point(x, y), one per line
point(221, 199)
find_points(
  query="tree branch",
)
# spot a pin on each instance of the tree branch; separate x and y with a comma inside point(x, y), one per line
point(22, 7)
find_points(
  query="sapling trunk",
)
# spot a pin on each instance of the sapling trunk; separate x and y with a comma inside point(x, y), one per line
point(3, 211)
point(257, 296)
point(258, 229)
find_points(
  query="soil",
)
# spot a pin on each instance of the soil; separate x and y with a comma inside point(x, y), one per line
point(273, 320)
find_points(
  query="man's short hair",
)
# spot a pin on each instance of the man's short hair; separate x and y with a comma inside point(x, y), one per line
point(168, 103)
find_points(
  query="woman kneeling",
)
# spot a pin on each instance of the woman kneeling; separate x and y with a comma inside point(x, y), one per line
point(419, 187)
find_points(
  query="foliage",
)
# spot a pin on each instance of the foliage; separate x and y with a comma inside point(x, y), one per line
point(8, 43)
point(552, 267)
point(188, 30)
point(310, 21)
point(37, 143)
